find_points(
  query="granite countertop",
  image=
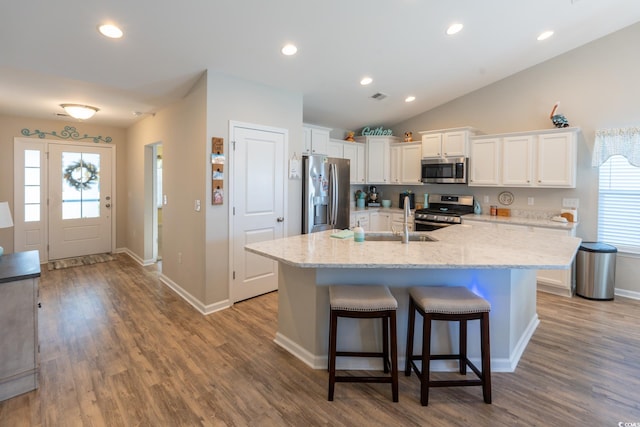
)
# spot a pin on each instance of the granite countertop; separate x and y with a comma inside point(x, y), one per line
point(457, 246)
point(517, 220)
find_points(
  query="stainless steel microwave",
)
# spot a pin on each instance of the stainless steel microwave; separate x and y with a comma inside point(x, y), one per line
point(448, 170)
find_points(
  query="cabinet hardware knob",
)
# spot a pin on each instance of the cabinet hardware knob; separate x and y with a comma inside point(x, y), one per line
point(39, 305)
point(280, 219)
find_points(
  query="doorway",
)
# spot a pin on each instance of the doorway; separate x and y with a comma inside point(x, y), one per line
point(257, 205)
point(64, 198)
point(154, 201)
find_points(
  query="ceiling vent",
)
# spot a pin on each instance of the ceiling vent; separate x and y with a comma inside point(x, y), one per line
point(379, 96)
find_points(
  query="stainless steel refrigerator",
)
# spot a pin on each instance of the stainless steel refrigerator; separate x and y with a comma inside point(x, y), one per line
point(325, 193)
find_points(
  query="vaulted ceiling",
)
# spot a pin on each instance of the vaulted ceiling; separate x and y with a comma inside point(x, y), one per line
point(51, 52)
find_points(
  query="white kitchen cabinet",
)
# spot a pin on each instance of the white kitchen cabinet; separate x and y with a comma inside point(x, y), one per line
point(397, 222)
point(557, 159)
point(335, 148)
point(484, 162)
point(517, 160)
point(316, 139)
point(361, 218)
point(405, 163)
point(446, 142)
point(543, 159)
point(355, 152)
point(378, 157)
point(379, 221)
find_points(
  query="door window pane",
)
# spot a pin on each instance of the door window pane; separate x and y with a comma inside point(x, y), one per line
point(80, 185)
point(31, 185)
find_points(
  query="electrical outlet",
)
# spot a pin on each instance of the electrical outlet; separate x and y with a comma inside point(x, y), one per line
point(197, 206)
point(570, 203)
point(486, 199)
point(164, 199)
point(530, 201)
point(179, 257)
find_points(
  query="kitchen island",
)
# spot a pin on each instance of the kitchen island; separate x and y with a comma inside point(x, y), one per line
point(499, 266)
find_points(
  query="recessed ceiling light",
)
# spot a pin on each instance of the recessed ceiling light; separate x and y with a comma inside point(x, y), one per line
point(454, 28)
point(289, 50)
point(545, 35)
point(366, 80)
point(110, 30)
point(410, 98)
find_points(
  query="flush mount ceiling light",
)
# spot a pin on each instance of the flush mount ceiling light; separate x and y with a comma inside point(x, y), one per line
point(366, 80)
point(78, 111)
point(454, 28)
point(410, 98)
point(110, 30)
point(545, 35)
point(289, 50)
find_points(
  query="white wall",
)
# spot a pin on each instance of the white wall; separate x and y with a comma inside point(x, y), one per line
point(233, 99)
point(597, 86)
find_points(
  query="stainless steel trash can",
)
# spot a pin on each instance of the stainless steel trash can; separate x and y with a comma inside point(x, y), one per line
point(596, 271)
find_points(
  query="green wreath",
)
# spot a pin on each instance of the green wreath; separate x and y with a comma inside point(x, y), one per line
point(81, 175)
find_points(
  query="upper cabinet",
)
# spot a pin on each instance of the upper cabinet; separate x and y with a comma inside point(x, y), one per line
point(405, 163)
point(316, 139)
point(527, 159)
point(354, 151)
point(335, 148)
point(447, 142)
point(378, 158)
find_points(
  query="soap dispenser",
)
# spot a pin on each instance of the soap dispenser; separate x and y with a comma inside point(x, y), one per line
point(476, 208)
point(358, 233)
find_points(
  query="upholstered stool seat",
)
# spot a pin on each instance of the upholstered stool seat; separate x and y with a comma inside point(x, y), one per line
point(449, 304)
point(364, 302)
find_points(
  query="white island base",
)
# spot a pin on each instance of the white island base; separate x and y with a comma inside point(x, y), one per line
point(303, 313)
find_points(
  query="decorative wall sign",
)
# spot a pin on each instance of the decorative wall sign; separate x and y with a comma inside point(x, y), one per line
point(379, 131)
point(69, 132)
point(217, 171)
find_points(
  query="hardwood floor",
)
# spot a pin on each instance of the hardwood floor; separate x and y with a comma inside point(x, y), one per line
point(119, 348)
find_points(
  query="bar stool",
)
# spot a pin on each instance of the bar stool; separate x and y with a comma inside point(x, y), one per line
point(364, 302)
point(449, 304)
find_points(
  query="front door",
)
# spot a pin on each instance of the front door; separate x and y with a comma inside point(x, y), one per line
point(80, 203)
point(258, 203)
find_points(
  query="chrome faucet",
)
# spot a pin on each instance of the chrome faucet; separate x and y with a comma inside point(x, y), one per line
point(405, 226)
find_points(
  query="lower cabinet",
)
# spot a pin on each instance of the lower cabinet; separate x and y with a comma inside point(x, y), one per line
point(559, 282)
point(380, 221)
point(19, 354)
point(361, 218)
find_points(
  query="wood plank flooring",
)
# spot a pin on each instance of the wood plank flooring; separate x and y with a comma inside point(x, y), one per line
point(118, 348)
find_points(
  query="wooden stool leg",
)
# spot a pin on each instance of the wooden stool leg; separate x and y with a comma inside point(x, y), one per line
point(394, 356)
point(333, 334)
point(486, 358)
point(463, 347)
point(385, 344)
point(426, 359)
point(410, 331)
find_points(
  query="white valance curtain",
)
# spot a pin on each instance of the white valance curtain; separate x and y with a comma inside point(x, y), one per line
point(621, 141)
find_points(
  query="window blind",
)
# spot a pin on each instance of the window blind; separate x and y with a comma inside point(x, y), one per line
point(619, 205)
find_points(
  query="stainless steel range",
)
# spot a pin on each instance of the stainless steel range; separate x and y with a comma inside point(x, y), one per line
point(444, 210)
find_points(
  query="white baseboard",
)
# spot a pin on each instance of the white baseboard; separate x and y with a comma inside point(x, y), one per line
point(627, 294)
point(204, 309)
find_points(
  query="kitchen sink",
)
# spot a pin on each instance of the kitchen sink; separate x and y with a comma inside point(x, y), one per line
point(391, 237)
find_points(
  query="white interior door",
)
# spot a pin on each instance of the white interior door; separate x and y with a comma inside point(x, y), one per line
point(258, 203)
point(80, 200)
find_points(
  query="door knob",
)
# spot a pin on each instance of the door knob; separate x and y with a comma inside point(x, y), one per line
point(280, 219)
point(108, 205)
